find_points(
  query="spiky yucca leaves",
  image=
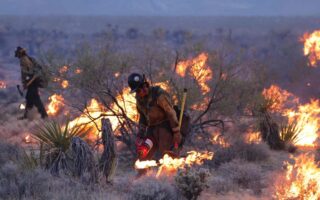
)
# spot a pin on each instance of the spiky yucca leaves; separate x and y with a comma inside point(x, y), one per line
point(289, 133)
point(53, 135)
point(56, 141)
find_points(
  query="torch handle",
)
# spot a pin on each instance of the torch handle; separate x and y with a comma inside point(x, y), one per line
point(184, 97)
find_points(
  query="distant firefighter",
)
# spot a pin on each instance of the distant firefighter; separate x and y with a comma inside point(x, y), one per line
point(32, 78)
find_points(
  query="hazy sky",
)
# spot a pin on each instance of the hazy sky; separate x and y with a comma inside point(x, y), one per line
point(160, 7)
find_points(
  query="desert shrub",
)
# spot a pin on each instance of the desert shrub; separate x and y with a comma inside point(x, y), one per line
point(221, 185)
point(250, 152)
point(191, 182)
point(9, 152)
point(36, 184)
point(147, 188)
point(223, 155)
point(17, 183)
point(245, 175)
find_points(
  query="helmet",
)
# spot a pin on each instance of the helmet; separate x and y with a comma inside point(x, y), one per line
point(135, 81)
point(19, 52)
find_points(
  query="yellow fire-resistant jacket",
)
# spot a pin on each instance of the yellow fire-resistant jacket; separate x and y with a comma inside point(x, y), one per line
point(28, 69)
point(156, 108)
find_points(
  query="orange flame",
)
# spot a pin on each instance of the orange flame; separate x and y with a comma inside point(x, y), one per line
point(312, 47)
point(219, 140)
point(55, 105)
point(64, 84)
point(27, 138)
point(3, 85)
point(198, 70)
point(170, 165)
point(125, 102)
point(301, 181)
point(252, 137)
point(78, 71)
point(307, 119)
point(279, 97)
point(92, 113)
point(305, 116)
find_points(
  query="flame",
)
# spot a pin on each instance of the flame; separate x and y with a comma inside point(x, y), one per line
point(170, 165)
point(305, 116)
point(219, 140)
point(27, 138)
point(3, 85)
point(117, 74)
point(22, 106)
point(307, 119)
point(56, 79)
point(301, 181)
point(90, 118)
point(78, 71)
point(201, 106)
point(55, 105)
point(63, 69)
point(64, 84)
point(198, 70)
point(125, 102)
point(312, 47)
point(252, 137)
point(279, 97)
point(145, 164)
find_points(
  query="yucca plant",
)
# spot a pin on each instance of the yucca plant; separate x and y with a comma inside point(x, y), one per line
point(55, 141)
point(289, 133)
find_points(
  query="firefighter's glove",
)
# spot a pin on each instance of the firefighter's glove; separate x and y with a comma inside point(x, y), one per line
point(176, 138)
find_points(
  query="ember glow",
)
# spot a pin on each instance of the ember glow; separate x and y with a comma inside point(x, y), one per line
point(312, 47)
point(168, 165)
point(197, 69)
point(3, 85)
point(55, 105)
point(64, 84)
point(301, 181)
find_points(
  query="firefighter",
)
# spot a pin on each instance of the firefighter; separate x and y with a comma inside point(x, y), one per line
point(30, 78)
point(158, 123)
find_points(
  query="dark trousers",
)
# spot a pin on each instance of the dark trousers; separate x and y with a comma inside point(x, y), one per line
point(33, 99)
point(162, 138)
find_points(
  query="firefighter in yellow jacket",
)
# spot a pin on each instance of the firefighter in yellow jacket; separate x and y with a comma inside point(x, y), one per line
point(158, 123)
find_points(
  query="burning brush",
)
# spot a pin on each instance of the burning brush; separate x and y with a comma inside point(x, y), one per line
point(170, 165)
